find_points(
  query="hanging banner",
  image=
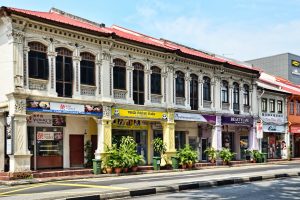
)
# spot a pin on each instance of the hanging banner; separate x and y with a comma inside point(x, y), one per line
point(141, 114)
point(39, 120)
point(259, 130)
point(63, 108)
point(189, 117)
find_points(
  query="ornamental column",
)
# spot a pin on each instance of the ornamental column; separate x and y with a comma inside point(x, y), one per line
point(129, 83)
point(106, 76)
point(254, 99)
point(169, 136)
point(216, 137)
point(241, 98)
point(169, 87)
point(104, 129)
point(52, 70)
point(26, 50)
point(147, 78)
point(20, 156)
point(2, 141)
point(76, 78)
point(200, 93)
point(230, 97)
point(187, 80)
point(98, 65)
point(164, 77)
point(217, 94)
point(174, 88)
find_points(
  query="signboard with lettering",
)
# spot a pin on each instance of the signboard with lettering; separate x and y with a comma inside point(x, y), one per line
point(129, 124)
point(237, 120)
point(140, 114)
point(295, 129)
point(272, 118)
point(259, 130)
point(45, 136)
point(63, 108)
point(295, 63)
point(273, 129)
point(40, 120)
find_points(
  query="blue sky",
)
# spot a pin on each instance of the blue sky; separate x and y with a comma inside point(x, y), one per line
point(241, 29)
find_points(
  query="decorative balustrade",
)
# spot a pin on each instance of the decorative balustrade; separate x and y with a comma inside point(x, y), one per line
point(88, 90)
point(246, 108)
point(180, 101)
point(225, 106)
point(120, 94)
point(38, 84)
point(206, 104)
point(155, 98)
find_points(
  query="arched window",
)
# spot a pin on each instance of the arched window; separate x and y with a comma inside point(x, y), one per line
point(236, 98)
point(246, 95)
point(38, 61)
point(194, 92)
point(180, 84)
point(206, 88)
point(64, 72)
point(119, 74)
point(138, 84)
point(224, 91)
point(155, 80)
point(87, 69)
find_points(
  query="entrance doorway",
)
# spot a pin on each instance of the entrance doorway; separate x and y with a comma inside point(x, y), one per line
point(297, 145)
point(94, 139)
point(76, 150)
point(204, 145)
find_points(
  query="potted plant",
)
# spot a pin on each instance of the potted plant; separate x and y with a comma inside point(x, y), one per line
point(226, 155)
point(187, 156)
point(127, 150)
point(160, 148)
point(88, 154)
point(248, 154)
point(136, 159)
point(108, 165)
point(211, 153)
point(257, 156)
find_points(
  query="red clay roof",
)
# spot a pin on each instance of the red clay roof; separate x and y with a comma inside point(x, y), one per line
point(127, 34)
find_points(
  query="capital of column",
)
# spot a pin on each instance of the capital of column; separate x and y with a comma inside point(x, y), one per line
point(52, 53)
point(129, 68)
point(76, 58)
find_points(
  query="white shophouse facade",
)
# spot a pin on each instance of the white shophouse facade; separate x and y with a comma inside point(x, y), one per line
point(95, 83)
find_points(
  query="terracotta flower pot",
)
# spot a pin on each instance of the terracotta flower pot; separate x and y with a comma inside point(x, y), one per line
point(190, 165)
point(134, 168)
point(118, 170)
point(125, 170)
point(183, 166)
point(109, 170)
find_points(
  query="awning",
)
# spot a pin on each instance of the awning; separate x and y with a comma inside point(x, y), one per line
point(189, 117)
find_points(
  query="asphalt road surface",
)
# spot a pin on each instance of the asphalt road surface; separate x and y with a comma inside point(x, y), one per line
point(88, 186)
point(279, 189)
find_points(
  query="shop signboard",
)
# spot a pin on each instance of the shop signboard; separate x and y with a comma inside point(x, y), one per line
point(40, 120)
point(272, 118)
point(139, 114)
point(45, 136)
point(129, 124)
point(63, 108)
point(295, 129)
point(273, 129)
point(189, 117)
point(237, 120)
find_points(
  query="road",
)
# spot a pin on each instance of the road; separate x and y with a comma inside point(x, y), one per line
point(59, 189)
point(279, 189)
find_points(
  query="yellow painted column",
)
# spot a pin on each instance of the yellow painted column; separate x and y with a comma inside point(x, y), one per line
point(149, 144)
point(169, 137)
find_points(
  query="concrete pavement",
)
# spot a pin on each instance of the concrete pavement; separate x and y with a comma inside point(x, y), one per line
point(122, 186)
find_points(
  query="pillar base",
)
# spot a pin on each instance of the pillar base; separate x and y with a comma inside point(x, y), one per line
point(19, 162)
point(166, 159)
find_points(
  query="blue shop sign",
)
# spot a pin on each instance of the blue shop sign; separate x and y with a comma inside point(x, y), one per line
point(237, 120)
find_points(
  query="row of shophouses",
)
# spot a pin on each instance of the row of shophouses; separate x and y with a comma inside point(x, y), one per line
point(65, 81)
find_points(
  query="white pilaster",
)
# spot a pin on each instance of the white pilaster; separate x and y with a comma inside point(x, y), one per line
point(76, 78)
point(216, 139)
point(147, 85)
point(187, 81)
point(106, 76)
point(200, 93)
point(129, 83)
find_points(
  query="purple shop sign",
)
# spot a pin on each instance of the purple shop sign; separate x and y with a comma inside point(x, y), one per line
point(210, 118)
point(237, 120)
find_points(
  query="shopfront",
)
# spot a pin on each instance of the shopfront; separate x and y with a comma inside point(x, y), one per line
point(295, 132)
point(274, 141)
point(56, 133)
point(142, 125)
point(237, 134)
point(195, 130)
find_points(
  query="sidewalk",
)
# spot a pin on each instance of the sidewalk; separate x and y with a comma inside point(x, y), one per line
point(84, 176)
point(106, 187)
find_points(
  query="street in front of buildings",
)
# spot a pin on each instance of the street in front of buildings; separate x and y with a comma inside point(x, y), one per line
point(271, 189)
point(82, 187)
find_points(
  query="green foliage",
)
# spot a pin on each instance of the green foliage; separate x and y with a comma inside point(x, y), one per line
point(159, 146)
point(88, 154)
point(211, 153)
point(123, 156)
point(187, 155)
point(257, 155)
point(226, 155)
